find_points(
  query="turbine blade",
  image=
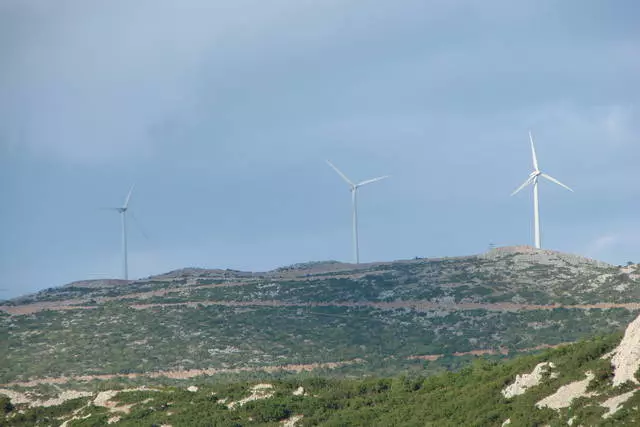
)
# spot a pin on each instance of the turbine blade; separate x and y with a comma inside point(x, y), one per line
point(341, 174)
point(126, 202)
point(533, 152)
point(109, 209)
point(524, 184)
point(552, 179)
point(137, 224)
point(369, 181)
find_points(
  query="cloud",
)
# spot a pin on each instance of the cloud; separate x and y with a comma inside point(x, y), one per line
point(95, 82)
point(619, 124)
point(602, 244)
point(612, 124)
point(89, 81)
point(617, 246)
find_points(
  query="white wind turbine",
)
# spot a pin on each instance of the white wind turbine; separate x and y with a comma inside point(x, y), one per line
point(354, 201)
point(123, 215)
point(533, 179)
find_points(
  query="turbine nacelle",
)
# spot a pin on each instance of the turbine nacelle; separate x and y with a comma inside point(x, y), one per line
point(352, 186)
point(537, 173)
point(535, 176)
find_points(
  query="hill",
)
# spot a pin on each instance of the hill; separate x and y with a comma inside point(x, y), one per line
point(591, 383)
point(378, 318)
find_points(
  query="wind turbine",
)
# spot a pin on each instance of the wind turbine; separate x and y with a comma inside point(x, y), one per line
point(533, 179)
point(123, 215)
point(354, 202)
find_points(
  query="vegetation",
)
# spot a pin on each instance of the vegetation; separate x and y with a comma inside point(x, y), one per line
point(471, 397)
point(116, 339)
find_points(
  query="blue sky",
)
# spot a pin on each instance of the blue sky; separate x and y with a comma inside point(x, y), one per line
point(223, 113)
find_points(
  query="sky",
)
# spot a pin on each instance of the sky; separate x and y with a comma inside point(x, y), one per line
point(223, 113)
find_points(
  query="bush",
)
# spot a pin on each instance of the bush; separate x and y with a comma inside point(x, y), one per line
point(5, 405)
point(268, 410)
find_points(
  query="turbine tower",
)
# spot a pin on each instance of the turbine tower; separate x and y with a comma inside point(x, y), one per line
point(533, 179)
point(354, 202)
point(123, 215)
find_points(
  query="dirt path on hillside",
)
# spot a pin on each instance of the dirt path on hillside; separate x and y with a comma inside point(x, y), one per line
point(183, 374)
point(190, 373)
point(415, 305)
point(490, 352)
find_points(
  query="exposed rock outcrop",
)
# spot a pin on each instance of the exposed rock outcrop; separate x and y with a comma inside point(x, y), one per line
point(563, 397)
point(258, 391)
point(526, 381)
point(626, 357)
point(615, 403)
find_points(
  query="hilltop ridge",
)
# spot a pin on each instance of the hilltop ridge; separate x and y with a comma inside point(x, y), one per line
point(520, 254)
point(502, 260)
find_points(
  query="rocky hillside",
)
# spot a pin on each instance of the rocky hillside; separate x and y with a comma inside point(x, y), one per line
point(591, 383)
point(378, 318)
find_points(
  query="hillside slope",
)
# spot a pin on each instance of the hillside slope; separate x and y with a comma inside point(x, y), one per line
point(544, 389)
point(388, 316)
